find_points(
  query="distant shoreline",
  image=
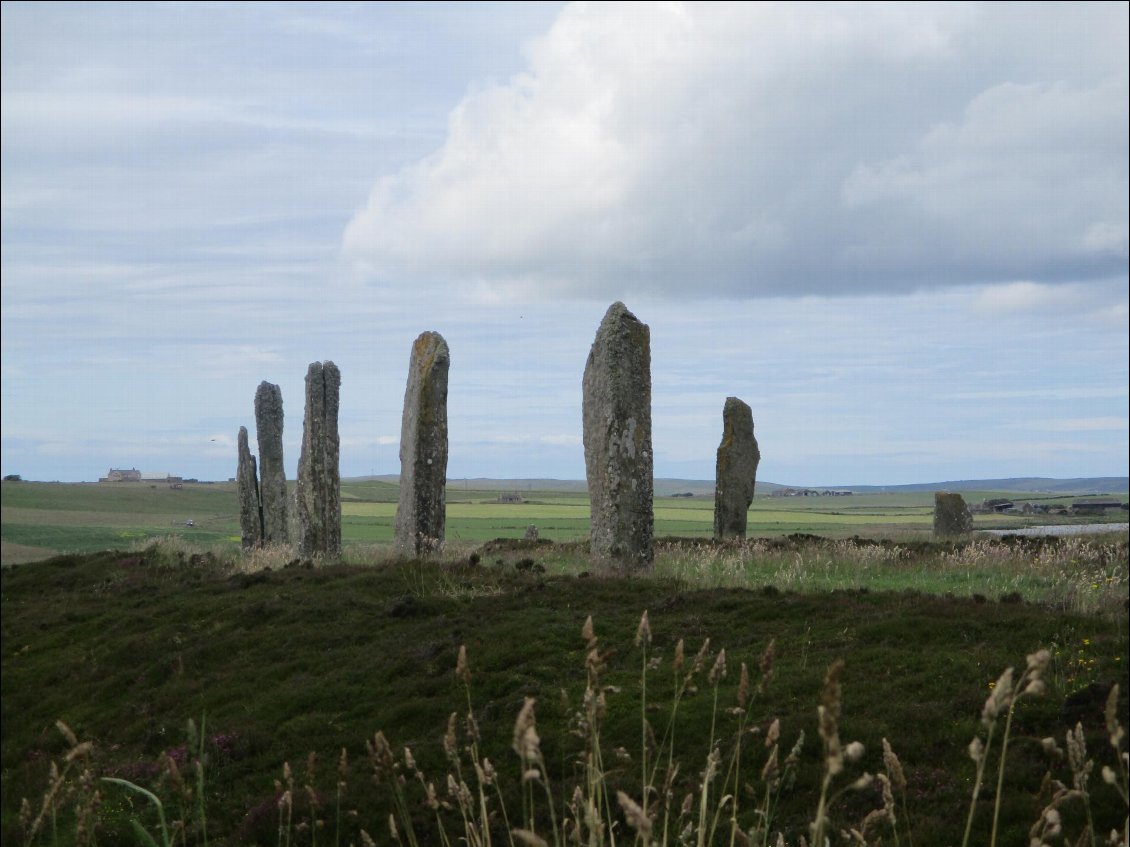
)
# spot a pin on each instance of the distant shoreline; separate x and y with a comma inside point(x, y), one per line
point(1062, 529)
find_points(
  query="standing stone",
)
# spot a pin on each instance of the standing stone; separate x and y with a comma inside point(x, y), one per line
point(272, 475)
point(735, 471)
point(531, 533)
point(421, 512)
point(318, 494)
point(616, 410)
point(951, 515)
point(247, 483)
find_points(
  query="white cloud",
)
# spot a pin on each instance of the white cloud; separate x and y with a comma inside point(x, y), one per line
point(752, 150)
point(1022, 297)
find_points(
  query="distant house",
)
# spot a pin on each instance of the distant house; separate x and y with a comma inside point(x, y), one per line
point(122, 475)
point(509, 497)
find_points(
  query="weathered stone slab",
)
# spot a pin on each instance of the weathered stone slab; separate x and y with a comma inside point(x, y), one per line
point(272, 475)
point(616, 411)
point(420, 514)
point(318, 492)
point(951, 515)
point(247, 483)
point(735, 470)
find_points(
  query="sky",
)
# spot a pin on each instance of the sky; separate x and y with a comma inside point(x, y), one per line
point(897, 231)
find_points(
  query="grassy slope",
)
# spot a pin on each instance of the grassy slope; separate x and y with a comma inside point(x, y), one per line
point(286, 662)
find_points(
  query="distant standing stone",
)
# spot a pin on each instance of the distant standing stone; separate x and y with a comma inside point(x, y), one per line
point(735, 471)
point(319, 476)
point(272, 475)
point(531, 533)
point(420, 514)
point(951, 515)
point(616, 411)
point(247, 483)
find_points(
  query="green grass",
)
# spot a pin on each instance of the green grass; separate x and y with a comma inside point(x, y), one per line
point(125, 647)
point(59, 518)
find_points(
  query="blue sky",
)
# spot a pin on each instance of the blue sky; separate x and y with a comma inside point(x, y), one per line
point(899, 232)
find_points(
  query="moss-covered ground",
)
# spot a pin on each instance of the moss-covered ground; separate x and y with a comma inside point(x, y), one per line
point(125, 647)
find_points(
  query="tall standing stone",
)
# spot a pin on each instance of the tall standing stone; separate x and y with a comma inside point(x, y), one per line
point(319, 476)
point(420, 514)
point(735, 471)
point(616, 410)
point(247, 483)
point(272, 475)
point(951, 515)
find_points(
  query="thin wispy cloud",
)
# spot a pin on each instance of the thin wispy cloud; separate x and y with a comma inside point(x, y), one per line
point(898, 231)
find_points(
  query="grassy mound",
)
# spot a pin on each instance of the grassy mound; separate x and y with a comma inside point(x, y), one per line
point(277, 664)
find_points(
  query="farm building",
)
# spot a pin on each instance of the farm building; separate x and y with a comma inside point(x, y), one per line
point(134, 475)
point(509, 497)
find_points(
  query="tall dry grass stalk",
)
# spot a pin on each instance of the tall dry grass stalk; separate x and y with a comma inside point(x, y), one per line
point(1076, 574)
point(732, 801)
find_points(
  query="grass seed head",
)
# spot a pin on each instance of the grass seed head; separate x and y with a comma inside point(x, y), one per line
point(1038, 661)
point(529, 839)
point(976, 750)
point(770, 770)
point(462, 669)
point(680, 657)
point(643, 631)
point(773, 733)
point(769, 658)
point(67, 733)
point(1113, 728)
point(380, 756)
point(999, 698)
point(863, 782)
point(700, 658)
point(888, 795)
point(832, 694)
point(79, 750)
point(450, 742)
point(718, 671)
point(527, 744)
point(894, 767)
point(636, 817)
point(743, 686)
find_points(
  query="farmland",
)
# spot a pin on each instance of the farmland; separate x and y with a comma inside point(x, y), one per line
point(41, 519)
point(274, 659)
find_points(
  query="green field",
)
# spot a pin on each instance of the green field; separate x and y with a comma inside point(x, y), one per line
point(282, 657)
point(277, 664)
point(42, 519)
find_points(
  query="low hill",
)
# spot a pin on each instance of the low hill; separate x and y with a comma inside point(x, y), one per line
point(1040, 485)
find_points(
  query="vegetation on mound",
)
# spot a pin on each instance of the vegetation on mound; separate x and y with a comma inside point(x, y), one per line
point(300, 658)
